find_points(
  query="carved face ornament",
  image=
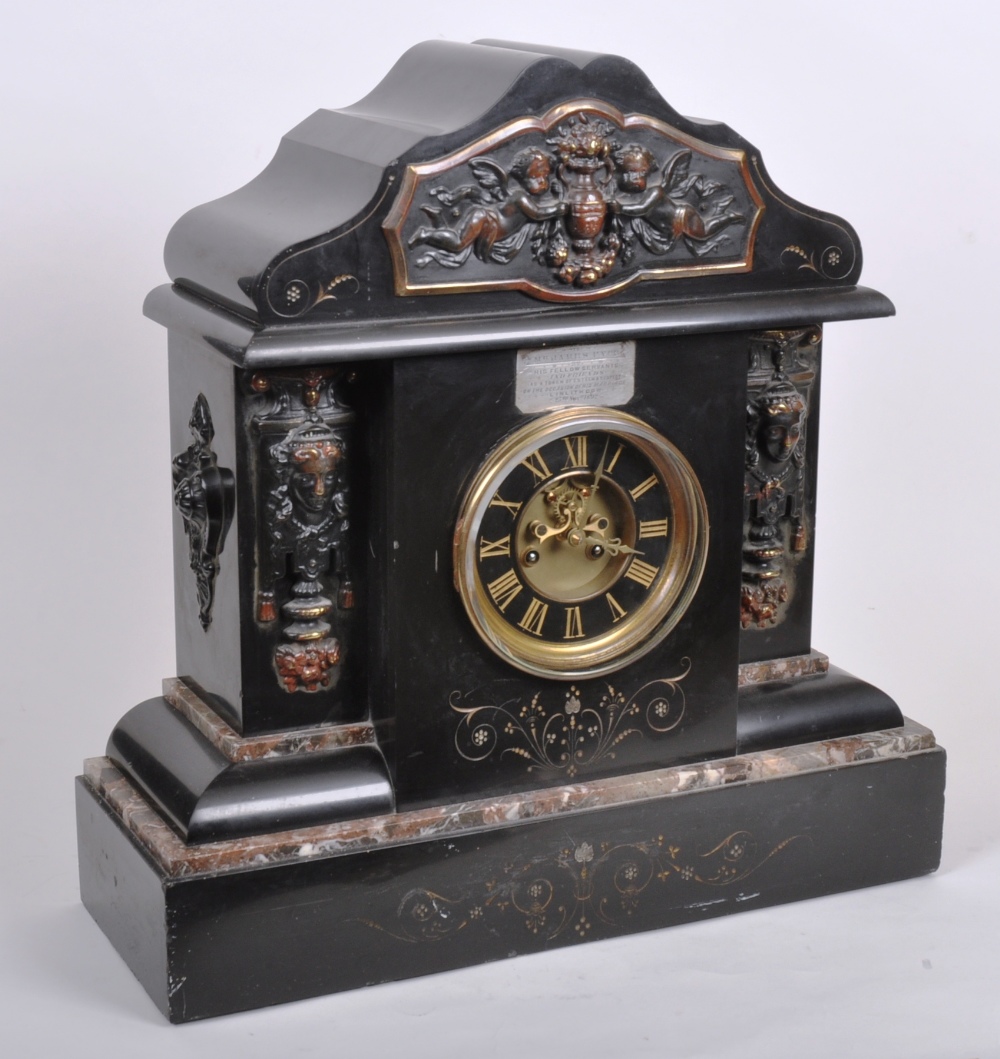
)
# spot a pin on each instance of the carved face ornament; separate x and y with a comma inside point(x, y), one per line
point(319, 461)
point(635, 164)
point(782, 415)
point(315, 475)
point(308, 461)
point(536, 177)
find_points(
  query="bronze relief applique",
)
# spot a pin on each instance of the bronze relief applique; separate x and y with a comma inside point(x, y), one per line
point(205, 497)
point(573, 205)
point(782, 370)
point(303, 455)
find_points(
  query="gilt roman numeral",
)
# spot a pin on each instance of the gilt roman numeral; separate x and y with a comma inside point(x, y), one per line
point(492, 549)
point(614, 459)
point(617, 610)
point(537, 466)
point(643, 487)
point(655, 528)
point(642, 572)
point(534, 617)
point(510, 505)
point(576, 447)
point(504, 589)
point(574, 624)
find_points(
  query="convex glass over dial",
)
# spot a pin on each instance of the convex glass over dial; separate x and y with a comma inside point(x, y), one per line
point(580, 543)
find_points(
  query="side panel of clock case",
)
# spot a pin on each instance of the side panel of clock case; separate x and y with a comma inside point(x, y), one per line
point(209, 654)
point(788, 630)
point(455, 720)
point(224, 652)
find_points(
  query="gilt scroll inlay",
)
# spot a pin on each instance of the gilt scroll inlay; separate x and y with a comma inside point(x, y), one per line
point(583, 888)
point(205, 496)
point(782, 369)
point(569, 736)
point(573, 205)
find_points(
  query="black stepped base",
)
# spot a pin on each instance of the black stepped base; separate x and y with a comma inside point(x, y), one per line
point(262, 921)
point(207, 796)
point(828, 706)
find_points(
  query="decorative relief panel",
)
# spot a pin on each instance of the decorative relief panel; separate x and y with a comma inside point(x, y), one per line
point(783, 366)
point(303, 501)
point(205, 496)
point(573, 205)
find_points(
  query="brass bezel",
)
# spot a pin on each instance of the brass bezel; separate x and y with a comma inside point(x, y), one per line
point(667, 601)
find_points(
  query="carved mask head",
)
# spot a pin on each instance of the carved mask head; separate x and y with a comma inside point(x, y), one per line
point(782, 417)
point(310, 457)
point(533, 168)
point(315, 474)
point(635, 163)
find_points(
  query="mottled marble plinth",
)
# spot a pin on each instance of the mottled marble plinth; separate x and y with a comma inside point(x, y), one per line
point(232, 925)
point(792, 668)
point(190, 705)
point(193, 707)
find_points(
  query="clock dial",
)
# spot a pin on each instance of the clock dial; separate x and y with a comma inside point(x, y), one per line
point(580, 543)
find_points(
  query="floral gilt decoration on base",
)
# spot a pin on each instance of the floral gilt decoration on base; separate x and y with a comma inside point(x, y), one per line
point(581, 888)
point(567, 737)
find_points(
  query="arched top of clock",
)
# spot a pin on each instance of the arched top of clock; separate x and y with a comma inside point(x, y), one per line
point(548, 189)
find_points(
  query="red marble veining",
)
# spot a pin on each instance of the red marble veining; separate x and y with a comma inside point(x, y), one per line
point(177, 859)
point(238, 748)
point(792, 668)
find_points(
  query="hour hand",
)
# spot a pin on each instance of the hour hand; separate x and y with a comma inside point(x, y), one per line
point(597, 524)
point(541, 532)
point(613, 546)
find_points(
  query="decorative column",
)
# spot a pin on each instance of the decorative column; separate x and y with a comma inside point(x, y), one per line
point(304, 497)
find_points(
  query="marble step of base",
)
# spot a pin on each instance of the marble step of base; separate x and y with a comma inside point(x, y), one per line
point(228, 926)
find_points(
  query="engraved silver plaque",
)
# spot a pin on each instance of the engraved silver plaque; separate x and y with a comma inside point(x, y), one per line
point(595, 374)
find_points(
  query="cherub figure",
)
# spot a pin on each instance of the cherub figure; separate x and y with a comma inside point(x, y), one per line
point(660, 215)
point(496, 226)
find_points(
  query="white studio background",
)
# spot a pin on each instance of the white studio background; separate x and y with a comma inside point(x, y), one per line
point(116, 117)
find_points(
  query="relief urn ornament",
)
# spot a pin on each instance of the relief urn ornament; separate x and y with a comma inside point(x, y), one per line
point(494, 407)
point(574, 205)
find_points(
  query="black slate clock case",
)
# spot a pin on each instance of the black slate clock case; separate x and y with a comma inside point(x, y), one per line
point(340, 747)
point(447, 413)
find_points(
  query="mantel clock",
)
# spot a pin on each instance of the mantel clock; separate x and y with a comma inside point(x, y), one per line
point(494, 404)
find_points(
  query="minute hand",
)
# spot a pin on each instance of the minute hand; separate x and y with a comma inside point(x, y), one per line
point(599, 473)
